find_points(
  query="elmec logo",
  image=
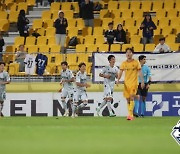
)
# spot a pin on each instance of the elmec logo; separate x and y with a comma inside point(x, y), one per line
point(157, 105)
point(176, 132)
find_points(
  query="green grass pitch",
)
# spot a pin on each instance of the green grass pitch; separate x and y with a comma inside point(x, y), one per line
point(87, 135)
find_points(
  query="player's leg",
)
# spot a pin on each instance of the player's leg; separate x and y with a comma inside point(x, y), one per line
point(1, 107)
point(136, 101)
point(126, 94)
point(109, 100)
point(63, 100)
point(143, 103)
point(84, 99)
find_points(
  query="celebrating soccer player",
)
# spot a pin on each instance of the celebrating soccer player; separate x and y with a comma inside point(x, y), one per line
point(4, 79)
point(146, 72)
point(109, 73)
point(67, 79)
point(132, 68)
point(80, 91)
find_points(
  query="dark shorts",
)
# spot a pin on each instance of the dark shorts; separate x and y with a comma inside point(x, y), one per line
point(142, 92)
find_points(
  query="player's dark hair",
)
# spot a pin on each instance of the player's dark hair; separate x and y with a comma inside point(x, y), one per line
point(110, 23)
point(1, 62)
point(110, 56)
point(64, 63)
point(162, 39)
point(131, 49)
point(81, 64)
point(141, 57)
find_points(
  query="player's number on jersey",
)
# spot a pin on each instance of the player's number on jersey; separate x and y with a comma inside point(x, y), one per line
point(41, 62)
point(29, 63)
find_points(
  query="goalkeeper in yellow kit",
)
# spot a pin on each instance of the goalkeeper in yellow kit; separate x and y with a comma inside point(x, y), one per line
point(132, 69)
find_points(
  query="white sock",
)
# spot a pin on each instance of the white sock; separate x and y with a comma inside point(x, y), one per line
point(64, 104)
point(102, 104)
point(74, 106)
point(82, 105)
point(109, 107)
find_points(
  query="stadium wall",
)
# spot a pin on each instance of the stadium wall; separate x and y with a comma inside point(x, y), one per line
point(49, 104)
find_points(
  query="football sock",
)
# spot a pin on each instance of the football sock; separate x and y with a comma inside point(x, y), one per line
point(131, 108)
point(102, 104)
point(82, 105)
point(143, 107)
point(109, 107)
point(136, 107)
point(64, 104)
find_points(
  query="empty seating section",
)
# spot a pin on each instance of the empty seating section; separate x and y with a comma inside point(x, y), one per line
point(130, 14)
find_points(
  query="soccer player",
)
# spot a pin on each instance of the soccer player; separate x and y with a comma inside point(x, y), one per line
point(132, 68)
point(67, 79)
point(4, 79)
point(109, 73)
point(146, 72)
point(80, 91)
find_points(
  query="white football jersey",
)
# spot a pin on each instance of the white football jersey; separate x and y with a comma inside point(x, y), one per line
point(29, 64)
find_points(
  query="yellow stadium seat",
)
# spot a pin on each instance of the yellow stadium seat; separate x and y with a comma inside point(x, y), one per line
point(146, 6)
point(89, 39)
point(167, 30)
point(98, 31)
point(157, 5)
point(126, 14)
point(158, 31)
point(116, 13)
point(46, 15)
point(132, 31)
point(163, 22)
point(31, 2)
point(92, 48)
point(135, 39)
point(97, 22)
point(71, 58)
point(112, 5)
point(170, 39)
point(87, 31)
point(117, 21)
point(22, 6)
point(139, 21)
point(81, 48)
point(80, 23)
point(14, 7)
point(71, 23)
point(99, 39)
point(161, 14)
point(55, 58)
point(83, 57)
point(30, 40)
point(19, 1)
point(75, 7)
point(104, 14)
point(68, 14)
point(156, 38)
point(55, 48)
point(48, 23)
point(31, 49)
point(173, 13)
point(13, 16)
point(55, 6)
point(10, 48)
point(176, 30)
point(137, 14)
point(42, 40)
point(50, 31)
point(37, 23)
point(124, 5)
point(18, 41)
point(115, 47)
point(135, 5)
point(174, 46)
point(174, 22)
point(52, 40)
point(105, 22)
point(13, 68)
point(73, 32)
point(3, 15)
point(41, 31)
point(129, 22)
point(138, 47)
point(43, 48)
point(4, 25)
point(177, 4)
point(169, 5)
point(103, 48)
point(66, 6)
point(8, 1)
point(150, 47)
point(125, 46)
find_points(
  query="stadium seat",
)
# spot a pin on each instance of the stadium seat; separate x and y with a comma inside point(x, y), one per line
point(55, 6)
point(173, 13)
point(92, 48)
point(13, 16)
point(126, 14)
point(19, 1)
point(146, 6)
point(139, 21)
point(30, 40)
point(68, 14)
point(31, 2)
point(157, 5)
point(14, 7)
point(138, 47)
point(55, 48)
point(168, 5)
point(105, 22)
point(129, 22)
point(43, 48)
point(6, 2)
point(99, 39)
point(163, 22)
point(124, 46)
point(18, 41)
point(89, 40)
point(75, 7)
point(112, 5)
point(22, 6)
point(103, 48)
point(83, 57)
point(124, 5)
point(174, 46)
point(161, 14)
point(135, 5)
point(104, 14)
point(3, 15)
point(31, 49)
point(73, 32)
point(37, 23)
point(117, 21)
point(170, 39)
point(97, 22)
point(11, 48)
point(72, 59)
point(137, 14)
point(42, 40)
point(81, 48)
point(4, 25)
point(150, 47)
point(116, 13)
point(115, 48)
point(80, 23)
point(46, 15)
point(98, 31)
point(176, 30)
point(66, 6)
point(80, 39)
point(48, 23)
point(132, 31)
point(50, 31)
point(71, 23)
point(41, 31)
point(135, 39)
point(55, 58)
point(52, 40)
point(174, 22)
point(13, 68)
point(167, 30)
point(87, 31)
